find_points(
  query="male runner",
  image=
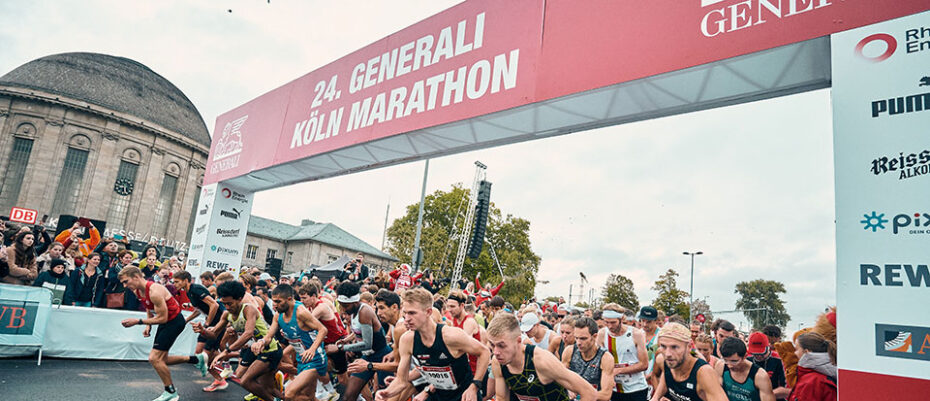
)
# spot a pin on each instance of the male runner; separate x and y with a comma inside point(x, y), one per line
point(438, 352)
point(367, 327)
point(539, 335)
point(528, 372)
point(335, 331)
point(249, 326)
point(161, 309)
point(684, 377)
point(648, 317)
point(589, 361)
point(758, 346)
point(204, 304)
point(455, 304)
point(305, 334)
point(742, 380)
point(627, 345)
point(724, 329)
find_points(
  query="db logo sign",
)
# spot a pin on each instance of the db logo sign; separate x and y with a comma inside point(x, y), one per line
point(25, 216)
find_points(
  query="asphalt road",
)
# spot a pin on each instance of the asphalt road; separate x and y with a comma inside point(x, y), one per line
point(73, 380)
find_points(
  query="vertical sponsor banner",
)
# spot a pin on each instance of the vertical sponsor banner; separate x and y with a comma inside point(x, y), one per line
point(228, 227)
point(881, 122)
point(202, 219)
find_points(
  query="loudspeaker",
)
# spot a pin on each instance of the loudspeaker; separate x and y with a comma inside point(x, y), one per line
point(273, 267)
point(482, 209)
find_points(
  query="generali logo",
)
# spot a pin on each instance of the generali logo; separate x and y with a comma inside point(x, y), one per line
point(725, 16)
point(228, 148)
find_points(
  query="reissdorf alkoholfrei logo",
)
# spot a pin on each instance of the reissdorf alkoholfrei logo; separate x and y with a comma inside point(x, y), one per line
point(904, 165)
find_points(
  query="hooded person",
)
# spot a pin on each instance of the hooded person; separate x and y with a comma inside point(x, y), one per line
point(56, 279)
point(816, 369)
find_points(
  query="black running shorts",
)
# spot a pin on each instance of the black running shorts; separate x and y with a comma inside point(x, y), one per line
point(166, 334)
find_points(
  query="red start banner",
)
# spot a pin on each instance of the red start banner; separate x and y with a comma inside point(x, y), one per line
point(484, 56)
point(25, 216)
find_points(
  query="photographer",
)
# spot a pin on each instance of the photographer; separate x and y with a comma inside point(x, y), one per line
point(355, 270)
point(74, 235)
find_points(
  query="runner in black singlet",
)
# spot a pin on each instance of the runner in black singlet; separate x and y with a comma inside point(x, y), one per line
point(528, 373)
point(684, 377)
point(438, 352)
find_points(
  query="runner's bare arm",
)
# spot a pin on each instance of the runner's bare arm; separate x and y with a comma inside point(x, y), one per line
point(219, 330)
point(764, 384)
point(607, 379)
point(159, 296)
point(658, 370)
point(259, 345)
point(214, 307)
point(501, 392)
point(639, 338)
point(401, 381)
point(566, 356)
point(471, 327)
point(551, 368)
point(718, 370)
point(554, 344)
point(251, 316)
point(458, 341)
point(307, 320)
point(708, 386)
point(192, 316)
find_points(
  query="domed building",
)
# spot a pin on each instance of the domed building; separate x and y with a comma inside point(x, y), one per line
point(105, 138)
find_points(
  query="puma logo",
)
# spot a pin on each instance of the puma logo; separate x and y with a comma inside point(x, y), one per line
point(925, 81)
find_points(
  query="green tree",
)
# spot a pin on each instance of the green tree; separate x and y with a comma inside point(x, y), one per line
point(762, 294)
point(443, 217)
point(670, 299)
point(619, 289)
point(701, 306)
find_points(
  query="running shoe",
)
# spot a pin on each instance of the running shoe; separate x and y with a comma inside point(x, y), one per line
point(217, 385)
point(279, 380)
point(227, 372)
point(202, 364)
point(166, 396)
point(332, 396)
point(250, 397)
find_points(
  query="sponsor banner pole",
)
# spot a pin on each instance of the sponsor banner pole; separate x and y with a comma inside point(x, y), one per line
point(224, 235)
point(202, 220)
point(881, 121)
point(24, 313)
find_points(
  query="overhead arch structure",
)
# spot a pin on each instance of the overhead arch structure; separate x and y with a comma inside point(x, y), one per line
point(485, 73)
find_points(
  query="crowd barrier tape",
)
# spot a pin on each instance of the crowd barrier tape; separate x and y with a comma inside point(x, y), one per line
point(79, 332)
point(24, 316)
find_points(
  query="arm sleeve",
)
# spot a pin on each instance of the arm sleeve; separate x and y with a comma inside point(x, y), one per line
point(368, 338)
point(394, 274)
point(495, 290)
point(62, 236)
point(94, 237)
point(46, 243)
point(478, 286)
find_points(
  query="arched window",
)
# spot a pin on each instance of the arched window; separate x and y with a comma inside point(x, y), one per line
point(16, 165)
point(165, 203)
point(123, 188)
point(71, 180)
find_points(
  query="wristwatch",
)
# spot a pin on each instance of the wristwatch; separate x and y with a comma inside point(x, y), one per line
point(140, 321)
point(371, 367)
point(477, 383)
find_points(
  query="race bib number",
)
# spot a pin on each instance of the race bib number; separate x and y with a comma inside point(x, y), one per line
point(298, 346)
point(527, 398)
point(624, 379)
point(439, 376)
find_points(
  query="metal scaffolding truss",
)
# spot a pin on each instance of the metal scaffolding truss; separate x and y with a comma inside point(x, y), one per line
point(776, 72)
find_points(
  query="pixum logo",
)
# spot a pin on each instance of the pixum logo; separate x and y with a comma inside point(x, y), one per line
point(724, 16)
point(904, 223)
point(229, 146)
point(908, 342)
point(904, 165)
point(224, 251)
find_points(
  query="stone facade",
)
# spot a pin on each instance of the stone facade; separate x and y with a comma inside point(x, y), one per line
point(299, 255)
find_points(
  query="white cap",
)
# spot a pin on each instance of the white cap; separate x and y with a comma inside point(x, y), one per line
point(265, 276)
point(565, 307)
point(529, 320)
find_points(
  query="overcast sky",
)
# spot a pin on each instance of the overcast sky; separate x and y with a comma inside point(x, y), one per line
point(751, 185)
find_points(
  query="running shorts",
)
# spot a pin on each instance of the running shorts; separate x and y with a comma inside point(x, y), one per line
point(272, 358)
point(166, 334)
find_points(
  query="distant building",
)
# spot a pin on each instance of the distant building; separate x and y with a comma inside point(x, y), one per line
point(308, 244)
point(103, 137)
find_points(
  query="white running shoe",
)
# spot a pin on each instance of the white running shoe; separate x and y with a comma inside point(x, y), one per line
point(166, 396)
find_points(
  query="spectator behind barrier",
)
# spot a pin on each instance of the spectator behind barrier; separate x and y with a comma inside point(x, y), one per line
point(56, 279)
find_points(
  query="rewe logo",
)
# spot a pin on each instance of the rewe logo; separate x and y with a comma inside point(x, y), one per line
point(915, 223)
point(230, 142)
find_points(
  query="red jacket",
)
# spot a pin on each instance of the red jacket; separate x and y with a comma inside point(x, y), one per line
point(482, 295)
point(813, 386)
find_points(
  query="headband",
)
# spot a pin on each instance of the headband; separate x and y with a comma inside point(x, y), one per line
point(348, 300)
point(675, 331)
point(610, 314)
point(457, 299)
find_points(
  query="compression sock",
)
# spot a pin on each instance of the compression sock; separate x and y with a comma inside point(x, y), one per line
point(192, 360)
point(170, 388)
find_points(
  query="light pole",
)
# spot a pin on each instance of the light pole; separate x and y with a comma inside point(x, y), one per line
point(691, 292)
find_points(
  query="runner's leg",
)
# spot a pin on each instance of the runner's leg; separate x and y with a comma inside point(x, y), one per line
point(302, 387)
point(255, 380)
point(157, 359)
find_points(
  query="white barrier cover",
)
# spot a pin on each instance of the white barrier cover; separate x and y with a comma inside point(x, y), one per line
point(881, 103)
point(24, 313)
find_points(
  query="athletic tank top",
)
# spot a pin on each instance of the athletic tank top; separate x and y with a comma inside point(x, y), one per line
point(526, 385)
point(589, 370)
point(544, 343)
point(472, 360)
point(378, 341)
point(623, 348)
point(450, 376)
point(173, 308)
point(298, 338)
point(745, 391)
point(686, 390)
point(334, 328)
point(651, 347)
point(261, 328)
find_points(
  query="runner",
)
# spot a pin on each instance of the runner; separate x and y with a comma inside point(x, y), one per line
point(388, 305)
point(305, 334)
point(161, 309)
point(256, 370)
point(684, 377)
point(742, 380)
point(539, 335)
point(758, 347)
point(443, 363)
point(204, 304)
point(648, 317)
point(527, 372)
point(627, 345)
point(373, 345)
point(567, 331)
point(455, 304)
point(585, 358)
point(335, 331)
